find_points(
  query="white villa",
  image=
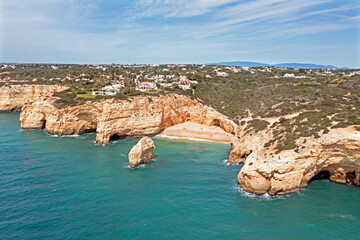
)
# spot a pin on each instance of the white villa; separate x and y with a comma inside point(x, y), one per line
point(222, 74)
point(288, 75)
point(145, 86)
point(109, 90)
point(184, 87)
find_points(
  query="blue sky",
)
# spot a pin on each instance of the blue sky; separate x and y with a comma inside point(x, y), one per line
point(180, 31)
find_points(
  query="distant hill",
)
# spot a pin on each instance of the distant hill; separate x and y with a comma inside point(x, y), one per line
point(305, 65)
point(241, 64)
point(285, 65)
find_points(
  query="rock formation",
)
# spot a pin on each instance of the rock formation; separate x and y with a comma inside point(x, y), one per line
point(67, 121)
point(142, 152)
point(337, 154)
point(140, 116)
point(14, 97)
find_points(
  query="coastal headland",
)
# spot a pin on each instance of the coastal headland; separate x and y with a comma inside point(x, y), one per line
point(265, 170)
point(285, 131)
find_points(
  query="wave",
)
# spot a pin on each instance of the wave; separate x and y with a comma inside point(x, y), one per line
point(55, 135)
point(73, 135)
point(126, 165)
point(144, 165)
point(231, 164)
point(263, 197)
point(344, 216)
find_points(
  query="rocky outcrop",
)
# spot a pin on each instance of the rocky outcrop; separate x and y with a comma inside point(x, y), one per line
point(265, 170)
point(14, 97)
point(335, 155)
point(136, 117)
point(68, 121)
point(142, 152)
point(243, 144)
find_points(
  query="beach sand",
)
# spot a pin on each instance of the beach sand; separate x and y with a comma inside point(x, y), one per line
point(197, 131)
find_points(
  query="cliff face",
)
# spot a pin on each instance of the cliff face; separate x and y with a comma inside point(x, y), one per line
point(265, 170)
point(67, 121)
point(243, 144)
point(335, 155)
point(14, 97)
point(141, 116)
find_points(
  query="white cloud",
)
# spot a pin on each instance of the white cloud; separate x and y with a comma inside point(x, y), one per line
point(176, 8)
point(265, 10)
point(187, 31)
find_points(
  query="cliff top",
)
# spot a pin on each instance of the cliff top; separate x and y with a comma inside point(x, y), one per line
point(320, 99)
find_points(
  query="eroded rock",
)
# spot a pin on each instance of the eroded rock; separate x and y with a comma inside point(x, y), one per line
point(142, 152)
point(337, 153)
point(140, 116)
point(14, 97)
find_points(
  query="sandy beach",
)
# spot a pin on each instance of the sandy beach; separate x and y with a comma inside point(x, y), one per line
point(197, 131)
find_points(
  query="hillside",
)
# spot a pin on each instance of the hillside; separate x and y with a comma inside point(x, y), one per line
point(282, 65)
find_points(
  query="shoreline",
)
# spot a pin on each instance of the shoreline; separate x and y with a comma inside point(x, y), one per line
point(197, 132)
point(189, 138)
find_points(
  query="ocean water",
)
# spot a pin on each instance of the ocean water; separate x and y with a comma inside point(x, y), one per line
point(69, 188)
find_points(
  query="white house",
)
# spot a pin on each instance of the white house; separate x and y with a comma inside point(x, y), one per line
point(289, 75)
point(222, 74)
point(184, 87)
point(145, 86)
point(108, 90)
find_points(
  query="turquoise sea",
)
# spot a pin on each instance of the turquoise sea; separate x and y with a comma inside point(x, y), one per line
point(70, 188)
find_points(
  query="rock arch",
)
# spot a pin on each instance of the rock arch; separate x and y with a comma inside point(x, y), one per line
point(136, 118)
point(338, 161)
point(141, 117)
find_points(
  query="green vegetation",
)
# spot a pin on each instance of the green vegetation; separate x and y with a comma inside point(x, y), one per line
point(86, 95)
point(257, 125)
point(323, 100)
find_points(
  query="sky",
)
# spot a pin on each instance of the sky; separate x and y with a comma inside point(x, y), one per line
point(180, 31)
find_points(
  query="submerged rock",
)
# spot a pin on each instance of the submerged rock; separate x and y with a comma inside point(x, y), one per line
point(142, 152)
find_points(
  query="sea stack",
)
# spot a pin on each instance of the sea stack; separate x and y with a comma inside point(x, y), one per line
point(142, 152)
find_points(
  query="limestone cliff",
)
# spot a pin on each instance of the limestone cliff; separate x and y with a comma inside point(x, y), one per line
point(265, 170)
point(336, 154)
point(14, 97)
point(136, 117)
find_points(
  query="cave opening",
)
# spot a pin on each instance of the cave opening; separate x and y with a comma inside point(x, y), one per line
point(43, 124)
point(215, 122)
point(246, 155)
point(350, 177)
point(115, 137)
point(322, 175)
